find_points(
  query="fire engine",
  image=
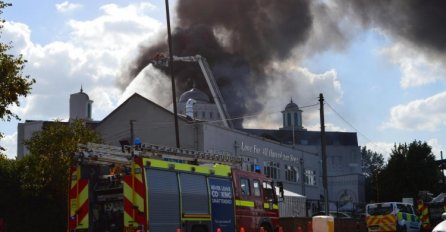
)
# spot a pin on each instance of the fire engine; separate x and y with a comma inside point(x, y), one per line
point(161, 189)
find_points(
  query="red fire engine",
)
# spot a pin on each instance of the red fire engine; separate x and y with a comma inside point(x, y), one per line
point(153, 188)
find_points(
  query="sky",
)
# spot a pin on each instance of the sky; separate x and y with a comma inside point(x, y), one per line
point(381, 68)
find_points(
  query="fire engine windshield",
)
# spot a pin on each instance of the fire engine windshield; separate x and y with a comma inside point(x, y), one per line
point(379, 209)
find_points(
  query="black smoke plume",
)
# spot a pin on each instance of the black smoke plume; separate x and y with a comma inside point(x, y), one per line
point(255, 32)
point(239, 38)
point(422, 22)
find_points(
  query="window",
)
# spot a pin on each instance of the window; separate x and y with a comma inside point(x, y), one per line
point(256, 185)
point(195, 114)
point(249, 164)
point(404, 208)
point(268, 191)
point(210, 115)
point(271, 169)
point(284, 124)
point(412, 210)
point(289, 119)
point(379, 209)
point(291, 173)
point(296, 120)
point(203, 115)
point(244, 186)
point(89, 110)
point(310, 177)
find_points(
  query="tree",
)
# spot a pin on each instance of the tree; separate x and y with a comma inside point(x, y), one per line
point(372, 162)
point(372, 165)
point(45, 172)
point(10, 189)
point(411, 168)
point(12, 82)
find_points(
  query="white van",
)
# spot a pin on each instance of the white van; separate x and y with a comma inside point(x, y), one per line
point(392, 216)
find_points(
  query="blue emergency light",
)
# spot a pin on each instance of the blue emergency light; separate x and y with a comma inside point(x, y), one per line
point(137, 141)
point(257, 168)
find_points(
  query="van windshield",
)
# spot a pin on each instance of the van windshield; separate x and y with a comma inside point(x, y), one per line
point(379, 209)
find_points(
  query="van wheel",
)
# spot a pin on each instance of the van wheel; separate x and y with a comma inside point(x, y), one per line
point(401, 228)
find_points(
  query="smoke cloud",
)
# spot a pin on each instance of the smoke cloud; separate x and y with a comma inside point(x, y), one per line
point(421, 22)
point(238, 39)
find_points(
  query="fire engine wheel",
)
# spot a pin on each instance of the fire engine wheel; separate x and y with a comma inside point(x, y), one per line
point(267, 228)
point(199, 229)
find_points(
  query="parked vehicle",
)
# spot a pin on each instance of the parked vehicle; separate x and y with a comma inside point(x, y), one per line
point(392, 216)
point(431, 209)
point(157, 189)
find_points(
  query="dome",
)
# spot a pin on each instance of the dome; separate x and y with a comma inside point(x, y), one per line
point(81, 94)
point(291, 105)
point(195, 94)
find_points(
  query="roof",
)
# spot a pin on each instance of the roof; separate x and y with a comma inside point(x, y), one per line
point(291, 105)
point(134, 96)
point(306, 137)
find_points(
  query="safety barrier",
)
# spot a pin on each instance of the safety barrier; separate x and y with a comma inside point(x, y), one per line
point(291, 224)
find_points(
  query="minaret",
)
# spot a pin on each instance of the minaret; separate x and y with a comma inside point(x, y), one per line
point(292, 117)
point(80, 106)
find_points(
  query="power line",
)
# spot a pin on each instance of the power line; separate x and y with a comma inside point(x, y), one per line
point(240, 117)
point(348, 123)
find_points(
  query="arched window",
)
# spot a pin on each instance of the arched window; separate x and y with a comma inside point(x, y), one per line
point(299, 119)
point(284, 122)
point(89, 110)
point(296, 120)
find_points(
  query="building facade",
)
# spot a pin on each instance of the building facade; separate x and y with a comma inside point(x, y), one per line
point(80, 108)
point(290, 154)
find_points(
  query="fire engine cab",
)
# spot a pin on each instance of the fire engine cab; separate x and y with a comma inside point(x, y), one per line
point(161, 189)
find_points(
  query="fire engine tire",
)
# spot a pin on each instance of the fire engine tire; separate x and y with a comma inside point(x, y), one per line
point(267, 227)
point(199, 229)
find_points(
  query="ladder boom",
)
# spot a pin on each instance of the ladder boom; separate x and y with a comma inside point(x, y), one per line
point(100, 153)
point(212, 84)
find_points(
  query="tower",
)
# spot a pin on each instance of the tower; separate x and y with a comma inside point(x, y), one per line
point(292, 117)
point(80, 106)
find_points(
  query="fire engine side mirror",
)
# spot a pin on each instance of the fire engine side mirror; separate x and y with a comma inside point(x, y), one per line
point(280, 185)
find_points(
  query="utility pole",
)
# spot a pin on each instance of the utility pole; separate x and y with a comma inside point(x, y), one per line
point(324, 154)
point(174, 95)
point(302, 174)
point(442, 170)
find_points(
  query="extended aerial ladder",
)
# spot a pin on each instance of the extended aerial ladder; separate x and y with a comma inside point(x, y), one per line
point(160, 59)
